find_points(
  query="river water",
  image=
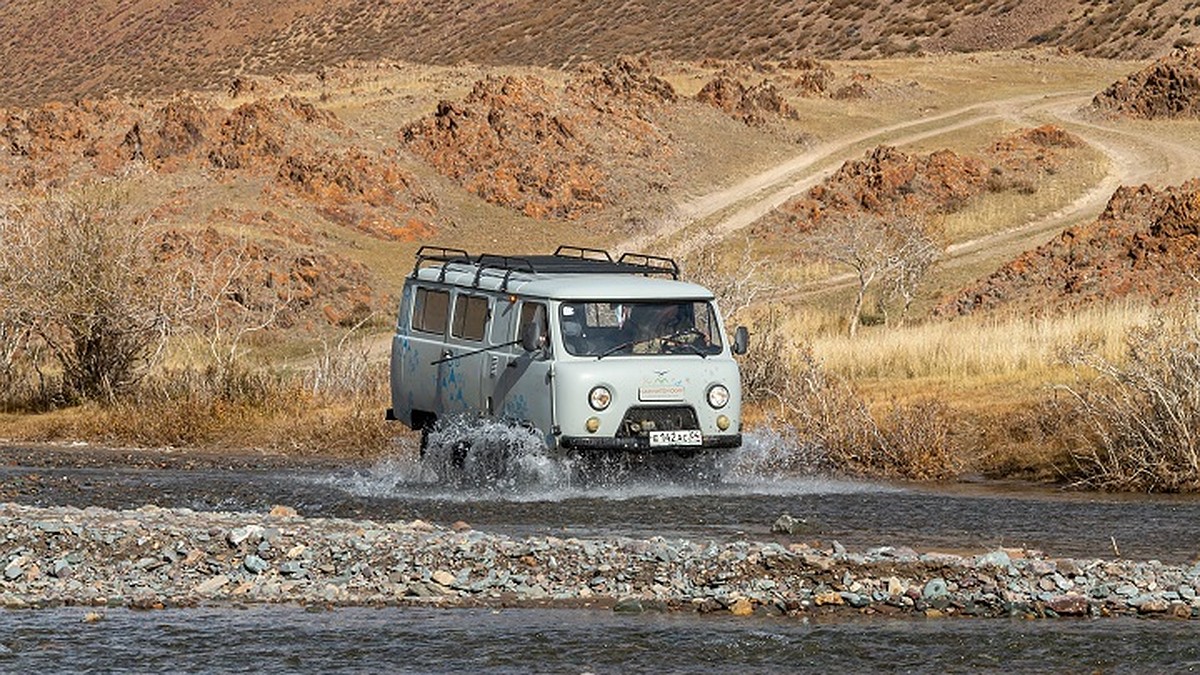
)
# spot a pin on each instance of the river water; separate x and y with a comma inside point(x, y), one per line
point(959, 518)
point(743, 504)
point(415, 640)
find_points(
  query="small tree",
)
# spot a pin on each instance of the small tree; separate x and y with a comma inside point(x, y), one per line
point(894, 250)
point(80, 281)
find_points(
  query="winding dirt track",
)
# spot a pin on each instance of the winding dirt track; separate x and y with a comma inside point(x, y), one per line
point(1135, 156)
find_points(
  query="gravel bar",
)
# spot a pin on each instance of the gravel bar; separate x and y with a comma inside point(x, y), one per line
point(152, 558)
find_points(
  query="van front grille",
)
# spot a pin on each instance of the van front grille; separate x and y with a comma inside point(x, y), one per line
point(640, 421)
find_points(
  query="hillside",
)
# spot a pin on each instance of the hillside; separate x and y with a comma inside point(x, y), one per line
point(146, 47)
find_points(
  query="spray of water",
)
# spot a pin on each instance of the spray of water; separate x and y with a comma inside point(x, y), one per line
point(490, 455)
point(474, 459)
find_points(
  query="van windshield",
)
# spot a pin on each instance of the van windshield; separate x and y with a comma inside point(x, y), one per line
point(605, 328)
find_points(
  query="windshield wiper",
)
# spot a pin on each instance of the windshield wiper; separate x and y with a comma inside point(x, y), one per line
point(624, 345)
point(673, 338)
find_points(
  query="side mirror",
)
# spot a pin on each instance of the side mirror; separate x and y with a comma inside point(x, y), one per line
point(741, 340)
point(532, 336)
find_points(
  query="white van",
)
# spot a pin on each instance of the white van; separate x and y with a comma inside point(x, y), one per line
point(596, 354)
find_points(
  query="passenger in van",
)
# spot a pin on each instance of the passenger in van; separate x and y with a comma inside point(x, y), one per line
point(573, 332)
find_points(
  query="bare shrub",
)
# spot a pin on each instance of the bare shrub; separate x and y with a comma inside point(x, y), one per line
point(914, 441)
point(764, 375)
point(736, 285)
point(894, 250)
point(921, 441)
point(826, 412)
point(81, 286)
point(1140, 416)
point(344, 370)
point(18, 356)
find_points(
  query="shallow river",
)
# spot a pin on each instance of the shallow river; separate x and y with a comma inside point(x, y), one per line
point(961, 518)
point(416, 640)
point(545, 501)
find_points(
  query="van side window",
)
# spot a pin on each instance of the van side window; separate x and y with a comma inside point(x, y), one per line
point(429, 310)
point(470, 317)
point(533, 311)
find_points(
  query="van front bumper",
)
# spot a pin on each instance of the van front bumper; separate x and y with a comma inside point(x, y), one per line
point(602, 443)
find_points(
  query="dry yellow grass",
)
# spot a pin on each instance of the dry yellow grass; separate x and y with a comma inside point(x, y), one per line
point(985, 348)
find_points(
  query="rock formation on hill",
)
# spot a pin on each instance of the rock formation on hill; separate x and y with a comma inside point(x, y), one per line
point(887, 180)
point(551, 152)
point(296, 168)
point(755, 105)
point(1167, 88)
point(1146, 244)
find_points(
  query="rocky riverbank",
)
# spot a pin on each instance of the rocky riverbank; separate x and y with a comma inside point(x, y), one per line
point(155, 558)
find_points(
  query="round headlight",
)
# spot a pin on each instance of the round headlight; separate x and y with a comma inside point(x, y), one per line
point(599, 398)
point(718, 396)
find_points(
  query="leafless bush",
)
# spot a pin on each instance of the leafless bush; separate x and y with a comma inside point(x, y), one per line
point(223, 303)
point(345, 371)
point(1140, 417)
point(922, 441)
point(827, 413)
point(764, 376)
point(914, 441)
point(895, 251)
point(736, 286)
point(81, 286)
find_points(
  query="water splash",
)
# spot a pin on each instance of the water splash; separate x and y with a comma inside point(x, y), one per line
point(471, 459)
point(772, 454)
point(490, 455)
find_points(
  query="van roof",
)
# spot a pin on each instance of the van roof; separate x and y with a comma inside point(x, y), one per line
point(570, 273)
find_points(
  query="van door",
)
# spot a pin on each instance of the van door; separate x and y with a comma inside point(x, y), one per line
point(461, 379)
point(425, 345)
point(521, 383)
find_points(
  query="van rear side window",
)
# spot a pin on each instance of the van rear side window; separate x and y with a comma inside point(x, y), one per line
point(430, 308)
point(470, 317)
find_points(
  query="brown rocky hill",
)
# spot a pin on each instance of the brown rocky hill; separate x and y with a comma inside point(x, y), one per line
point(551, 152)
point(138, 47)
point(1146, 245)
point(887, 180)
point(1167, 88)
point(269, 188)
point(307, 189)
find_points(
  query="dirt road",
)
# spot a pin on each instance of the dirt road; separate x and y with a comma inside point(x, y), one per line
point(1136, 155)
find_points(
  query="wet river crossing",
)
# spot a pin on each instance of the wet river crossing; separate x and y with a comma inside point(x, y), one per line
point(742, 504)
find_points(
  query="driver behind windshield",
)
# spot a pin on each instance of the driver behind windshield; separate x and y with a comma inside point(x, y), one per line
point(657, 327)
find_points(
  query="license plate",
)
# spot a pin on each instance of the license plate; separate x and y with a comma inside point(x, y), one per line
point(684, 437)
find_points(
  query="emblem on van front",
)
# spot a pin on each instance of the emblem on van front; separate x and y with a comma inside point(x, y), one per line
point(661, 388)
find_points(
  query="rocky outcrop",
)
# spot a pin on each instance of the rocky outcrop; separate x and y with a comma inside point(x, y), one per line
point(292, 165)
point(887, 180)
point(551, 153)
point(1146, 244)
point(755, 105)
point(1167, 88)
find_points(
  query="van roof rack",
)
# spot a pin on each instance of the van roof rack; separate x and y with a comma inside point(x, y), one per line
point(564, 260)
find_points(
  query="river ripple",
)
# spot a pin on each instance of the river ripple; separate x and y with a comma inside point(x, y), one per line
point(273, 639)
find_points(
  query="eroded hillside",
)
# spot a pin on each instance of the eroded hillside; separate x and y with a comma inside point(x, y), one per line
point(144, 47)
